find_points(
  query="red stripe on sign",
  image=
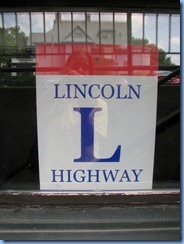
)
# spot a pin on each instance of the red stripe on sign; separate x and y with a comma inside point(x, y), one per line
point(93, 59)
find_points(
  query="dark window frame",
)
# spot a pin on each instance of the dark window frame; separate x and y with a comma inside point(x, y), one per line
point(159, 196)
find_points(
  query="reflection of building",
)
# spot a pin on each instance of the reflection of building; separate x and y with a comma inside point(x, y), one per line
point(94, 32)
point(82, 32)
point(76, 31)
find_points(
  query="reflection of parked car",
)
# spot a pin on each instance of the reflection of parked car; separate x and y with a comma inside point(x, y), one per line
point(162, 73)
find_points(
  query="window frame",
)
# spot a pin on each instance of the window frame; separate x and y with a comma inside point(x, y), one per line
point(155, 196)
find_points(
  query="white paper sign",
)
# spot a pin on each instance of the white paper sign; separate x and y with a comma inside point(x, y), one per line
point(96, 132)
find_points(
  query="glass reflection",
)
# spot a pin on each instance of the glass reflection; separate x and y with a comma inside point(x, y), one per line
point(120, 28)
point(23, 22)
point(150, 28)
point(0, 20)
point(175, 33)
point(37, 27)
point(163, 32)
point(79, 34)
point(23, 29)
point(107, 29)
point(9, 20)
point(175, 58)
point(9, 31)
point(79, 16)
point(51, 27)
point(93, 27)
point(65, 27)
point(1, 34)
point(137, 25)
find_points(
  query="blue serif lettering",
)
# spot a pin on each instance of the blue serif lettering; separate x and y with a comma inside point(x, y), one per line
point(87, 138)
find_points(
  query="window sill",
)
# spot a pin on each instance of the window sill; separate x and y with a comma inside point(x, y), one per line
point(117, 198)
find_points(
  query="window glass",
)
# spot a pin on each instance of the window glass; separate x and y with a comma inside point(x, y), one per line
point(23, 22)
point(137, 26)
point(1, 35)
point(9, 20)
point(24, 30)
point(79, 31)
point(37, 28)
point(174, 58)
point(120, 28)
point(51, 27)
point(65, 27)
point(10, 31)
point(150, 28)
point(106, 28)
point(163, 31)
point(0, 20)
point(78, 16)
point(175, 33)
point(93, 27)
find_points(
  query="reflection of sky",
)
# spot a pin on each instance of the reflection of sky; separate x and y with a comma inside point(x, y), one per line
point(175, 33)
point(137, 25)
point(163, 32)
point(119, 17)
point(150, 28)
point(49, 20)
point(37, 22)
point(9, 20)
point(23, 22)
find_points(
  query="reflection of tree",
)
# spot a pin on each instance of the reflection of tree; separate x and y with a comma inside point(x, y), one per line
point(163, 59)
point(139, 41)
point(12, 42)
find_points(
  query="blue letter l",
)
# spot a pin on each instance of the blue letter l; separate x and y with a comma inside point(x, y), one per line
point(87, 138)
